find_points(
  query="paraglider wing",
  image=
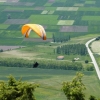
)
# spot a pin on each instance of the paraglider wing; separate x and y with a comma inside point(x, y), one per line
point(43, 32)
point(27, 33)
point(38, 29)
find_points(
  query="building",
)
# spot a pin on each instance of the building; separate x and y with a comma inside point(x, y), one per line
point(60, 57)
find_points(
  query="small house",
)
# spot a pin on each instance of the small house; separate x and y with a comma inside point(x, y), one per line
point(60, 57)
point(76, 59)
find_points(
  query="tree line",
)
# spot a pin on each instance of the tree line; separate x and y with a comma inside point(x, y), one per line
point(46, 64)
point(79, 49)
point(60, 37)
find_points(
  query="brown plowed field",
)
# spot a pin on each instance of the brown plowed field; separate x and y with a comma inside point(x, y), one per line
point(4, 48)
point(38, 39)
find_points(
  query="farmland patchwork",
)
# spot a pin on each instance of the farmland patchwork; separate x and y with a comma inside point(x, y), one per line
point(64, 16)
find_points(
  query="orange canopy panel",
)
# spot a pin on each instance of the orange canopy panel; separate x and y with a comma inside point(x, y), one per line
point(38, 29)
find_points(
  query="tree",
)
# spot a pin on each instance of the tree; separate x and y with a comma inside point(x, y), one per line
point(9, 16)
point(89, 68)
point(74, 89)
point(58, 50)
point(79, 49)
point(53, 37)
point(92, 97)
point(86, 61)
point(17, 90)
point(1, 50)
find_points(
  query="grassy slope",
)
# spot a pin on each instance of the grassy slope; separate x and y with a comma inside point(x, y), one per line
point(51, 81)
point(46, 50)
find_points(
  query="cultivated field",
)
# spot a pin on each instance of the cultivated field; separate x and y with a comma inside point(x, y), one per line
point(96, 47)
point(5, 48)
point(67, 8)
point(65, 22)
point(74, 29)
point(51, 12)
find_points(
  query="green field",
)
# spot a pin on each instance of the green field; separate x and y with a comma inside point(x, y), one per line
point(89, 9)
point(51, 81)
point(89, 2)
point(3, 26)
point(65, 22)
point(67, 8)
point(44, 49)
point(48, 4)
point(44, 19)
point(50, 8)
point(18, 8)
point(97, 18)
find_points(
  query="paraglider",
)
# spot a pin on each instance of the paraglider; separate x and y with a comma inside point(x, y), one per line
point(38, 29)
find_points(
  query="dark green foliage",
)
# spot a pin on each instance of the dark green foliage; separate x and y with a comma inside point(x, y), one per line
point(28, 13)
point(1, 50)
point(89, 68)
point(83, 23)
point(92, 97)
point(10, 41)
point(17, 90)
point(79, 49)
point(60, 37)
point(74, 89)
point(94, 28)
point(26, 0)
point(51, 64)
point(53, 37)
point(14, 27)
point(94, 23)
point(58, 4)
point(86, 61)
point(98, 38)
point(15, 63)
point(37, 2)
point(3, 17)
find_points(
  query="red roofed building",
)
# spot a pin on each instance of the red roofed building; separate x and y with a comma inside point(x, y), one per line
point(60, 57)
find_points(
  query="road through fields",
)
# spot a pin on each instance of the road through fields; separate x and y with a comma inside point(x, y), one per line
point(93, 58)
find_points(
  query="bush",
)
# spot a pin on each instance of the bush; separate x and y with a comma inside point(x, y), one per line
point(86, 61)
point(17, 90)
point(92, 97)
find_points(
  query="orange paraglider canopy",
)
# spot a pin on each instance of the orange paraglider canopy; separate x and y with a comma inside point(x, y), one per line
point(38, 29)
